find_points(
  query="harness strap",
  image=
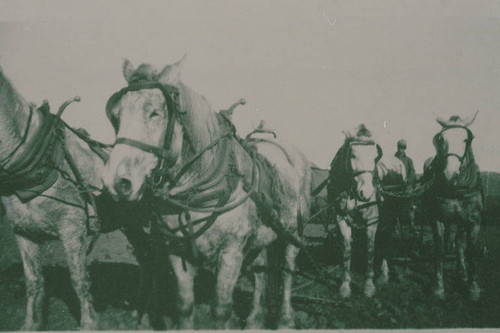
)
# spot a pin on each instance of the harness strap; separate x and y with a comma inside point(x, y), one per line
point(163, 153)
point(218, 209)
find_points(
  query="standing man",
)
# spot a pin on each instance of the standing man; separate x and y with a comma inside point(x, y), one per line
point(410, 170)
point(406, 213)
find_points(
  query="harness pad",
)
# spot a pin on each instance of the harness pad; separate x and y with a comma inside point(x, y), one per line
point(35, 170)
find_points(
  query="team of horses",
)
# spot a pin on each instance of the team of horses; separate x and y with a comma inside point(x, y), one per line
point(179, 167)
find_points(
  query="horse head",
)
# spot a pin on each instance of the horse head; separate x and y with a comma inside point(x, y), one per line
point(453, 145)
point(362, 156)
point(149, 136)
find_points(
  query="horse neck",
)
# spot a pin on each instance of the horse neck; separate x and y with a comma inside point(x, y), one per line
point(339, 174)
point(201, 127)
point(14, 115)
point(468, 167)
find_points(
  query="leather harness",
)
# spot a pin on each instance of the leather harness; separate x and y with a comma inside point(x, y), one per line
point(39, 165)
point(35, 169)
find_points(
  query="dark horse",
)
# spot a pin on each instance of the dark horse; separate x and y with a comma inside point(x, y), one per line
point(455, 200)
point(48, 172)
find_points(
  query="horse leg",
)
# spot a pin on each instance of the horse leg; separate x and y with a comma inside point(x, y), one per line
point(345, 229)
point(148, 278)
point(460, 247)
point(33, 274)
point(450, 235)
point(229, 266)
point(256, 319)
point(73, 240)
point(185, 274)
point(386, 223)
point(287, 314)
point(438, 229)
point(473, 255)
point(371, 230)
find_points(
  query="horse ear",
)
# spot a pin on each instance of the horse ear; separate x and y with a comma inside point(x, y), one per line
point(127, 69)
point(171, 74)
point(441, 121)
point(469, 120)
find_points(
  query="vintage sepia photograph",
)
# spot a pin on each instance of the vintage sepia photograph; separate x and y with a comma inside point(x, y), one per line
point(263, 165)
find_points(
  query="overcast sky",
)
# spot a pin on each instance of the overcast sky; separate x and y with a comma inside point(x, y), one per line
point(309, 68)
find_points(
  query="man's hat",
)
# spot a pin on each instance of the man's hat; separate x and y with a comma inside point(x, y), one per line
point(402, 143)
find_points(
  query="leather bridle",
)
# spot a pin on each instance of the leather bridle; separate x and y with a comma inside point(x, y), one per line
point(171, 95)
point(439, 137)
point(356, 173)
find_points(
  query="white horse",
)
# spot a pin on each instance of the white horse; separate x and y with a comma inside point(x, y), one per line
point(58, 206)
point(217, 200)
point(356, 173)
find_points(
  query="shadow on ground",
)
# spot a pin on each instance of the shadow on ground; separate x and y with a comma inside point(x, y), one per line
point(407, 302)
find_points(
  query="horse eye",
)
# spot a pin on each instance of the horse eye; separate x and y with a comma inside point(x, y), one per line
point(154, 114)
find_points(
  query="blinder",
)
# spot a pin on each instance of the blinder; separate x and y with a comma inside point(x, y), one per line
point(171, 95)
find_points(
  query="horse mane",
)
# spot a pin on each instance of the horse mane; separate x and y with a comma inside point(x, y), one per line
point(196, 114)
point(198, 118)
point(12, 102)
point(339, 180)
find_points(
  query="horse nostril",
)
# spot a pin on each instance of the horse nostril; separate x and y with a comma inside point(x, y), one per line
point(123, 186)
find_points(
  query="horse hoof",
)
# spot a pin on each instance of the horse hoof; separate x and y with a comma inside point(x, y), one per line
point(31, 327)
point(286, 323)
point(345, 290)
point(384, 277)
point(369, 288)
point(439, 293)
point(255, 322)
point(474, 293)
point(89, 326)
point(255, 325)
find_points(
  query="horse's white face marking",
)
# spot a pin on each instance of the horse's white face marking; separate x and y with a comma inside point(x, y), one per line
point(143, 116)
point(363, 159)
point(454, 142)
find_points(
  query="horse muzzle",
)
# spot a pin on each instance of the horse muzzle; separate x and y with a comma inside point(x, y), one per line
point(452, 167)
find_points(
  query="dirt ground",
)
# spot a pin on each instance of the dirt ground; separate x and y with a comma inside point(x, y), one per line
point(406, 302)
